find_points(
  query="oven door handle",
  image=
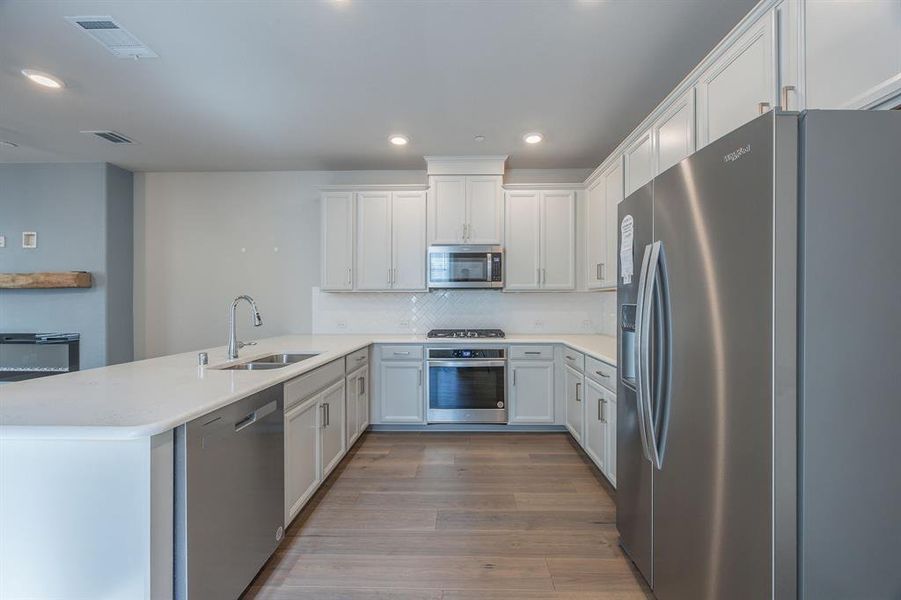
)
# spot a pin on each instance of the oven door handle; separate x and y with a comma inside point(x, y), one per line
point(467, 363)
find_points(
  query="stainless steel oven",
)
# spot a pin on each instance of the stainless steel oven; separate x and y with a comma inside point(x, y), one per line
point(466, 266)
point(467, 385)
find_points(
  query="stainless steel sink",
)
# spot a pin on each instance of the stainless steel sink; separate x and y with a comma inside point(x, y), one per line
point(272, 361)
point(254, 366)
point(288, 358)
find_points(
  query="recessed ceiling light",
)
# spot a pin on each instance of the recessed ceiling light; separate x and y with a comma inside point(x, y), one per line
point(532, 138)
point(479, 138)
point(8, 144)
point(44, 79)
point(399, 140)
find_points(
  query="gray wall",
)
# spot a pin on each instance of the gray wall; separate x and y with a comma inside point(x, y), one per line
point(82, 214)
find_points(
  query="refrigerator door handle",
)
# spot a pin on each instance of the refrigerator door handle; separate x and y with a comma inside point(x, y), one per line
point(642, 336)
point(659, 411)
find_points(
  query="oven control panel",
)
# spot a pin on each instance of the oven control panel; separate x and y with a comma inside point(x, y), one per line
point(466, 353)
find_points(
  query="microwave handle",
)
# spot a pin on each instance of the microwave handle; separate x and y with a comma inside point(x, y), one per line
point(488, 273)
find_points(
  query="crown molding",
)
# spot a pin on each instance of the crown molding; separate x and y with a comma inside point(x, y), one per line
point(381, 187)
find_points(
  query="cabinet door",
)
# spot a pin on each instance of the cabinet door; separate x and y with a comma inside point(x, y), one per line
point(401, 392)
point(731, 91)
point(447, 209)
point(352, 389)
point(373, 240)
point(610, 418)
point(558, 240)
point(853, 52)
point(523, 235)
point(531, 398)
point(484, 210)
point(596, 233)
point(333, 438)
point(302, 474)
point(639, 160)
point(574, 402)
point(614, 195)
point(363, 401)
point(337, 240)
point(595, 442)
point(674, 132)
point(408, 240)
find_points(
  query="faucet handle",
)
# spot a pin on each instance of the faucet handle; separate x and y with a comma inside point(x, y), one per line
point(242, 344)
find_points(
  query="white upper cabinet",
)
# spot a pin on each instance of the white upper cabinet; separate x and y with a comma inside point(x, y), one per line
point(558, 238)
point(373, 240)
point(408, 240)
point(639, 162)
point(485, 210)
point(853, 52)
point(604, 194)
point(741, 84)
point(522, 270)
point(465, 209)
point(391, 247)
point(540, 232)
point(674, 132)
point(447, 209)
point(337, 240)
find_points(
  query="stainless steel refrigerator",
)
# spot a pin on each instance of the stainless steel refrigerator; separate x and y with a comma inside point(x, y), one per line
point(759, 313)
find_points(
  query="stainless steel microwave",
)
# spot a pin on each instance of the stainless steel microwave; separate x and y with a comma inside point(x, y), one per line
point(466, 266)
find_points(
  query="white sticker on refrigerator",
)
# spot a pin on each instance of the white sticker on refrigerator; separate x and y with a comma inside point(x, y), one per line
point(626, 268)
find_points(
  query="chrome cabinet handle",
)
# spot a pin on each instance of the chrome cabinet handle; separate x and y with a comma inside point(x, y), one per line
point(349, 275)
point(359, 358)
point(762, 107)
point(568, 357)
point(538, 274)
point(602, 374)
point(543, 276)
point(514, 376)
point(401, 353)
point(532, 352)
point(578, 388)
point(603, 271)
point(420, 377)
point(599, 410)
point(322, 415)
point(602, 408)
point(362, 384)
point(785, 90)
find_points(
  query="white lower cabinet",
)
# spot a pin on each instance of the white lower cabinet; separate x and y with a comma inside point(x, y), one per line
point(400, 392)
point(574, 392)
point(598, 403)
point(357, 385)
point(302, 471)
point(531, 395)
point(332, 441)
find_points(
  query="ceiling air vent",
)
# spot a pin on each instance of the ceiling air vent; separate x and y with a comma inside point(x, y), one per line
point(111, 136)
point(113, 37)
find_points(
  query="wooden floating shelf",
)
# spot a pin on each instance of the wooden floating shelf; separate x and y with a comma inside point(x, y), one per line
point(67, 279)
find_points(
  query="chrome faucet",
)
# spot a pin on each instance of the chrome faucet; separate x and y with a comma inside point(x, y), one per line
point(233, 344)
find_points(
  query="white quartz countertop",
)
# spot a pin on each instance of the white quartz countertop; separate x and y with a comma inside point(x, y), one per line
point(147, 397)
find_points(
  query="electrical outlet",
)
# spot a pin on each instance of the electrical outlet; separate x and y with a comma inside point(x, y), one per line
point(341, 324)
point(586, 324)
point(539, 324)
point(2, 241)
point(404, 323)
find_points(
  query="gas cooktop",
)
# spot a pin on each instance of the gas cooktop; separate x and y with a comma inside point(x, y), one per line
point(466, 333)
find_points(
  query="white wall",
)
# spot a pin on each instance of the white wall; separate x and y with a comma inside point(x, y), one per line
point(203, 238)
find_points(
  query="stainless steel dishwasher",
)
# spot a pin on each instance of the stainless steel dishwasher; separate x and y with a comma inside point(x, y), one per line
point(229, 496)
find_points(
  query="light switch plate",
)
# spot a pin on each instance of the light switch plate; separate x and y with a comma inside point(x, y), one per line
point(29, 239)
point(2, 241)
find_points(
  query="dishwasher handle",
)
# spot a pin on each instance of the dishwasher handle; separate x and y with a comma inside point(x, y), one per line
point(255, 416)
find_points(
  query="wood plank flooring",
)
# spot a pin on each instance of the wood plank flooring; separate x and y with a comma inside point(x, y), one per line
point(444, 516)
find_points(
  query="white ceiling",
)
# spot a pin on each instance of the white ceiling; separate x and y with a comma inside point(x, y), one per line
point(272, 85)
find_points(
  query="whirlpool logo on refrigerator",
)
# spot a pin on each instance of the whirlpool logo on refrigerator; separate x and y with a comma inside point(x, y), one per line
point(736, 154)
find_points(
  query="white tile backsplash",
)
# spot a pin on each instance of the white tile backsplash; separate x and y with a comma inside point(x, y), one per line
point(398, 312)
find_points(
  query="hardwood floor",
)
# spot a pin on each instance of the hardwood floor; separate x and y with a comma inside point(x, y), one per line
point(475, 516)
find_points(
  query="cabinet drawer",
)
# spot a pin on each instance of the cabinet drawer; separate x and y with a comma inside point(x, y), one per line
point(357, 359)
point(574, 359)
point(301, 388)
point(532, 352)
point(401, 352)
point(601, 372)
